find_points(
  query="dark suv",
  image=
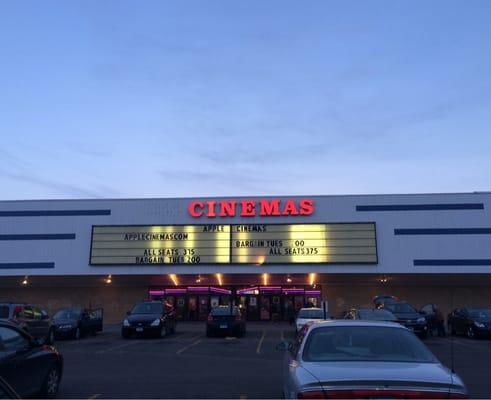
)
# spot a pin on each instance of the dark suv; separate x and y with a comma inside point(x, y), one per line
point(408, 316)
point(149, 318)
point(31, 318)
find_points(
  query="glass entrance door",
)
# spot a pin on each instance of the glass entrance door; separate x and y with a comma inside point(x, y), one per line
point(265, 308)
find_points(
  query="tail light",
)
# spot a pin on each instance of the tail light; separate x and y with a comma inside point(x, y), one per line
point(378, 394)
point(210, 318)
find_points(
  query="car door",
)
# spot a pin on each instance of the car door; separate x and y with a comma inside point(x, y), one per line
point(96, 319)
point(44, 322)
point(29, 322)
point(16, 367)
point(459, 321)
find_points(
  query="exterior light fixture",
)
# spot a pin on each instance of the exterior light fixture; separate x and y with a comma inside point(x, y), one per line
point(219, 279)
point(198, 280)
point(109, 279)
point(24, 281)
point(265, 279)
point(288, 279)
point(312, 278)
point(384, 279)
point(173, 278)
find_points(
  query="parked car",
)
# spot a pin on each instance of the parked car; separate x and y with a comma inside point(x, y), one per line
point(76, 322)
point(408, 316)
point(364, 359)
point(472, 322)
point(149, 318)
point(434, 319)
point(6, 391)
point(381, 299)
point(306, 315)
point(370, 314)
point(31, 318)
point(226, 320)
point(28, 366)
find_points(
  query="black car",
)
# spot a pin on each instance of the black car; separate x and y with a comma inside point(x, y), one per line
point(150, 318)
point(472, 322)
point(226, 320)
point(369, 314)
point(6, 391)
point(29, 367)
point(408, 316)
point(31, 318)
point(77, 322)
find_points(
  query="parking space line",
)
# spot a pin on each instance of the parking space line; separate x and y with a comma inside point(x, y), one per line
point(117, 347)
point(180, 351)
point(258, 348)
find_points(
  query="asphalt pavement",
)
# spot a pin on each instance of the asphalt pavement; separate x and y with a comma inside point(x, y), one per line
point(190, 365)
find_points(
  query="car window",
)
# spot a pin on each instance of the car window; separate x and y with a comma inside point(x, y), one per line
point(148, 308)
point(378, 315)
point(400, 308)
point(11, 341)
point(311, 314)
point(68, 313)
point(38, 315)
point(364, 343)
point(27, 313)
point(480, 313)
point(225, 311)
point(4, 311)
point(428, 309)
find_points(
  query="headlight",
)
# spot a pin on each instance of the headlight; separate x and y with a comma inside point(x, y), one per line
point(156, 322)
point(479, 324)
point(126, 323)
point(64, 327)
point(421, 320)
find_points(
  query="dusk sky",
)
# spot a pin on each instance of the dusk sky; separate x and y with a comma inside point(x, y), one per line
point(191, 98)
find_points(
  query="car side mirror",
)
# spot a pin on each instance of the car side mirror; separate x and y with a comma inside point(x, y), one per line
point(284, 346)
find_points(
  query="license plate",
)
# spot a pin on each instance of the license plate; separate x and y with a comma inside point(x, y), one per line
point(223, 326)
point(139, 329)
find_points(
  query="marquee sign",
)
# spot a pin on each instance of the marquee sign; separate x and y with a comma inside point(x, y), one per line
point(250, 208)
point(339, 243)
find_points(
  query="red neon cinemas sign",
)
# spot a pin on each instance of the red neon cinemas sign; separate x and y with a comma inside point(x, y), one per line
point(250, 208)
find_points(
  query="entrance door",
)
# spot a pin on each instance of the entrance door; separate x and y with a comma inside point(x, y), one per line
point(204, 308)
point(180, 307)
point(192, 308)
point(252, 308)
point(265, 308)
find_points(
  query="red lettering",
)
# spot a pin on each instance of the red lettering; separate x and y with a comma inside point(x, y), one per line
point(290, 208)
point(306, 207)
point(211, 209)
point(271, 207)
point(192, 209)
point(227, 208)
point(247, 207)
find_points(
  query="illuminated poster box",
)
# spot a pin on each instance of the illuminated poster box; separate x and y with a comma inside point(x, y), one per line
point(353, 243)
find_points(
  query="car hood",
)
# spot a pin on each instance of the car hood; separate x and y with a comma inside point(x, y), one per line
point(303, 321)
point(142, 317)
point(64, 321)
point(482, 320)
point(387, 373)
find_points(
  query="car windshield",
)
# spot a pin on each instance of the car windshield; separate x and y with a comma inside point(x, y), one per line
point(399, 308)
point(217, 311)
point(68, 313)
point(378, 315)
point(365, 343)
point(148, 308)
point(311, 314)
point(480, 313)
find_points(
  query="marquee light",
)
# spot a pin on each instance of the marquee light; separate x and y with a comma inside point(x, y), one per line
point(173, 278)
point(312, 279)
point(219, 279)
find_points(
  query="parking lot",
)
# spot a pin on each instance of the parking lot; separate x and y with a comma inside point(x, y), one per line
point(190, 365)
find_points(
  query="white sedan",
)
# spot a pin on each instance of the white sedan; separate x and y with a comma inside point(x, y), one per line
point(308, 315)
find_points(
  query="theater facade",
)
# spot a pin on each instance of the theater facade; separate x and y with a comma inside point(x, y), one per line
point(262, 253)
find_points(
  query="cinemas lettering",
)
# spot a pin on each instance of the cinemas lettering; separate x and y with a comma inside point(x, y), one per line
point(254, 244)
point(251, 208)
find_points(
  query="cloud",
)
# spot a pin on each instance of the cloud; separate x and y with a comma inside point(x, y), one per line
point(60, 187)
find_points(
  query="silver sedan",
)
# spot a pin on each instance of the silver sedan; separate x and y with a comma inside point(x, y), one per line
point(364, 359)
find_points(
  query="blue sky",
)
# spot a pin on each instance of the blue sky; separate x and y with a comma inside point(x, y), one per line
point(189, 98)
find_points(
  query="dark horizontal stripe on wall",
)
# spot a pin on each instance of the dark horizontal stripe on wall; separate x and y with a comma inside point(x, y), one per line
point(53, 213)
point(421, 207)
point(463, 262)
point(44, 236)
point(443, 231)
point(27, 265)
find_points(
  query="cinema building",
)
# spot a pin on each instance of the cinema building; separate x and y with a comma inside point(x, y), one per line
point(263, 254)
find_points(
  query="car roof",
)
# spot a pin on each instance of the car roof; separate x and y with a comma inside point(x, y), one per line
point(355, 322)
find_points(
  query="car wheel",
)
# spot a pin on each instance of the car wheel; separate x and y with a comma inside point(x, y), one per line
point(51, 383)
point(470, 332)
point(50, 339)
point(76, 334)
